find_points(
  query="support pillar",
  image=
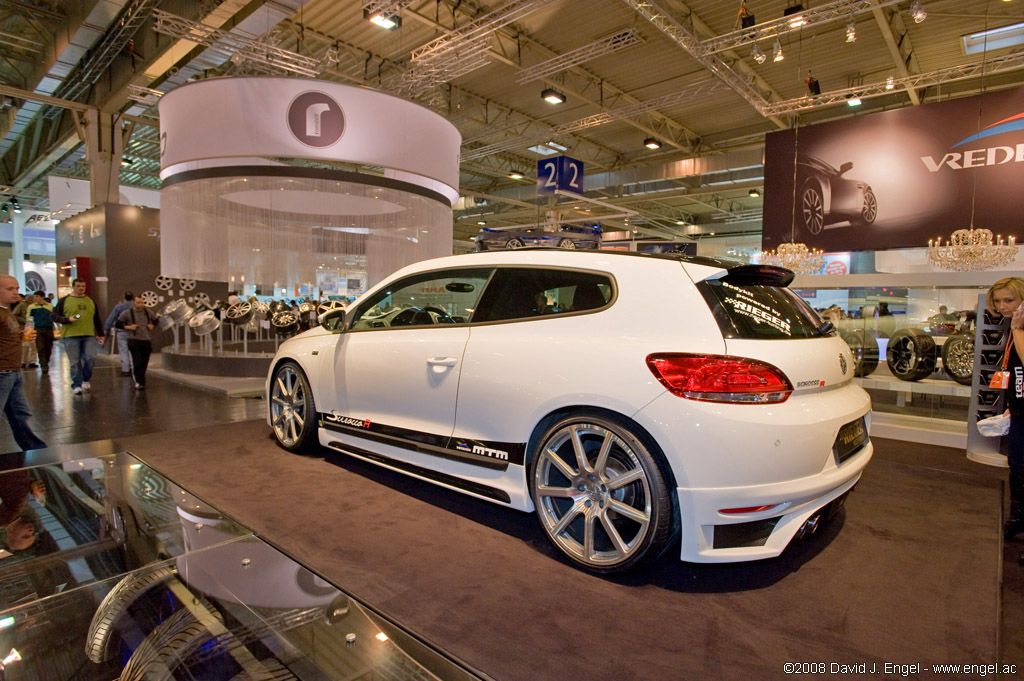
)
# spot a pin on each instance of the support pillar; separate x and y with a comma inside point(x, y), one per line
point(104, 147)
point(18, 247)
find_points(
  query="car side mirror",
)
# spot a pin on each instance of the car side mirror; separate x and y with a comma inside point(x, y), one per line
point(846, 167)
point(333, 320)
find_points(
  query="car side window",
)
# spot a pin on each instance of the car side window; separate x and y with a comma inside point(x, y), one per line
point(444, 297)
point(525, 293)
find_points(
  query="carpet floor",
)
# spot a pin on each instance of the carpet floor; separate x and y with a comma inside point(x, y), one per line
point(907, 573)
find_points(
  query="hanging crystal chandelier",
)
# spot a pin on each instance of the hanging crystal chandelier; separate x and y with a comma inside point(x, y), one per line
point(796, 257)
point(972, 250)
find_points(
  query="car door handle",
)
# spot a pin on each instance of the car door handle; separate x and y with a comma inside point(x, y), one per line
point(443, 361)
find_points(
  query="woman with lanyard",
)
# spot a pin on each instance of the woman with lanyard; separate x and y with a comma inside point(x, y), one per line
point(1006, 297)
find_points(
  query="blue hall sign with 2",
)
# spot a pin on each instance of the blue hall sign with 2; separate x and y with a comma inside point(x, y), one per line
point(560, 172)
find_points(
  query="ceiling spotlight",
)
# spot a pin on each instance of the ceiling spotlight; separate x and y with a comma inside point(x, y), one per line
point(754, 193)
point(758, 54)
point(777, 51)
point(917, 11)
point(890, 83)
point(390, 22)
point(15, 205)
point(481, 222)
point(125, 161)
point(796, 19)
point(553, 96)
point(851, 31)
point(853, 100)
point(652, 143)
point(516, 175)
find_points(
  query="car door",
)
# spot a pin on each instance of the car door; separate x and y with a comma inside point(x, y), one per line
point(394, 374)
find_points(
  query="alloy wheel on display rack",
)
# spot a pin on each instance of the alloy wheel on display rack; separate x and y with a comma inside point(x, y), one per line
point(164, 283)
point(150, 298)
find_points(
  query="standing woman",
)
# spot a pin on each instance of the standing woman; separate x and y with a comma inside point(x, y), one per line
point(1006, 297)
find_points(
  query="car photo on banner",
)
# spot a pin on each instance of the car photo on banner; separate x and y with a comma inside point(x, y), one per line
point(634, 403)
point(826, 197)
point(567, 237)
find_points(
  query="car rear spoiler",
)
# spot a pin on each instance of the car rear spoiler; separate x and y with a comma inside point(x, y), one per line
point(764, 275)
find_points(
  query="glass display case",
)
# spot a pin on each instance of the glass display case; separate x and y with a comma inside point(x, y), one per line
point(913, 340)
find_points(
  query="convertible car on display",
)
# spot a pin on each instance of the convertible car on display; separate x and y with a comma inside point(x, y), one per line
point(827, 197)
point(568, 237)
point(719, 412)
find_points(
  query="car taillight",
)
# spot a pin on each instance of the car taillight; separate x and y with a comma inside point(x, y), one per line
point(720, 378)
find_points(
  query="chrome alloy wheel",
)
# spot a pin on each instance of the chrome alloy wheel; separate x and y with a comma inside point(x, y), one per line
point(288, 406)
point(593, 495)
point(813, 210)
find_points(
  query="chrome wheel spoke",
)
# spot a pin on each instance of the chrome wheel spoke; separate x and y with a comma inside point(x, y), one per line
point(588, 536)
point(577, 448)
point(556, 492)
point(628, 511)
point(567, 519)
point(613, 534)
point(277, 400)
point(561, 465)
point(602, 455)
point(625, 478)
point(282, 391)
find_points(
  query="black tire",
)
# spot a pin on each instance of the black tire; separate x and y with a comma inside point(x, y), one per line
point(812, 208)
point(869, 211)
point(116, 603)
point(958, 359)
point(864, 349)
point(629, 524)
point(292, 411)
point(911, 354)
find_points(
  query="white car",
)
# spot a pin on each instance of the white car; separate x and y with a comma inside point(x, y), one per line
point(628, 400)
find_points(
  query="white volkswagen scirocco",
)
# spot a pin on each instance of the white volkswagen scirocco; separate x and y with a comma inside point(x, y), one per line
point(628, 400)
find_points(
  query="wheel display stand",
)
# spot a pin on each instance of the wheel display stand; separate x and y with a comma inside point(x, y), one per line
point(989, 343)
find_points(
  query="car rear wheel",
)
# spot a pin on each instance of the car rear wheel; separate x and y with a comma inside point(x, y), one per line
point(958, 359)
point(911, 354)
point(869, 211)
point(567, 243)
point(292, 412)
point(514, 243)
point(812, 207)
point(600, 494)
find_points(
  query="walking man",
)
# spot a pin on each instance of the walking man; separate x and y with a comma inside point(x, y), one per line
point(82, 332)
point(12, 392)
point(41, 313)
point(137, 323)
point(119, 334)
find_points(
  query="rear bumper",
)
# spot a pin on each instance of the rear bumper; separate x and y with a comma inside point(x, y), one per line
point(796, 502)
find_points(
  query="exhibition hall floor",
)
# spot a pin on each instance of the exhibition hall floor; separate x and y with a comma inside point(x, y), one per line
point(910, 572)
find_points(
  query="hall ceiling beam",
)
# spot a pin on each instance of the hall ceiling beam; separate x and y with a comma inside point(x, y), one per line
point(897, 40)
point(689, 41)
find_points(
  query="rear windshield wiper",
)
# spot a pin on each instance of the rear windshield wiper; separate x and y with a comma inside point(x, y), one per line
point(825, 329)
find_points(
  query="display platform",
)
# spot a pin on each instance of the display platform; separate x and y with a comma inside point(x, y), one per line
point(908, 573)
point(111, 571)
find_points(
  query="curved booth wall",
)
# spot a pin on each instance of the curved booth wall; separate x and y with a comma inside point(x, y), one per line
point(231, 212)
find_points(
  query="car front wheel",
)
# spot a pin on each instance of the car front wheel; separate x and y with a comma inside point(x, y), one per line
point(292, 412)
point(812, 208)
point(600, 494)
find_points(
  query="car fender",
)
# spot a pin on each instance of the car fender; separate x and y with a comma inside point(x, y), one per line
point(306, 350)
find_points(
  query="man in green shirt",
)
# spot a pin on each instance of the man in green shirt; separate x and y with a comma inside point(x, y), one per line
point(82, 332)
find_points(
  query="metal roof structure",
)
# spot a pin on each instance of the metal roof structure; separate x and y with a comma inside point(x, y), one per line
point(693, 75)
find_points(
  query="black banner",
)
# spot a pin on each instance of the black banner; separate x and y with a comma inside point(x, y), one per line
point(898, 178)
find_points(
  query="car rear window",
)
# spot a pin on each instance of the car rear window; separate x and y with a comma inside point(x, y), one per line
point(527, 292)
point(759, 311)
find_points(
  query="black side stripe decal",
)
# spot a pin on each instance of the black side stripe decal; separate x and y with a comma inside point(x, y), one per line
point(485, 453)
point(459, 483)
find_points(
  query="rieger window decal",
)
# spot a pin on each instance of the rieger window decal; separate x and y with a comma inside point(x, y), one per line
point(315, 119)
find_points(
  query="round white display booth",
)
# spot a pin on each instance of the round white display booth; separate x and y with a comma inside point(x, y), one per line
point(277, 183)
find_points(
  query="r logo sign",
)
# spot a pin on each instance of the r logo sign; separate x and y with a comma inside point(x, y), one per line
point(316, 120)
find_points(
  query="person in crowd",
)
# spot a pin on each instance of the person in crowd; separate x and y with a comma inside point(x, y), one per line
point(41, 313)
point(883, 310)
point(12, 391)
point(233, 298)
point(138, 322)
point(18, 521)
point(119, 334)
point(28, 340)
point(82, 332)
point(1006, 298)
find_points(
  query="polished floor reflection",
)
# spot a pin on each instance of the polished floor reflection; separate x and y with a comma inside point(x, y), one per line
point(110, 571)
point(113, 407)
